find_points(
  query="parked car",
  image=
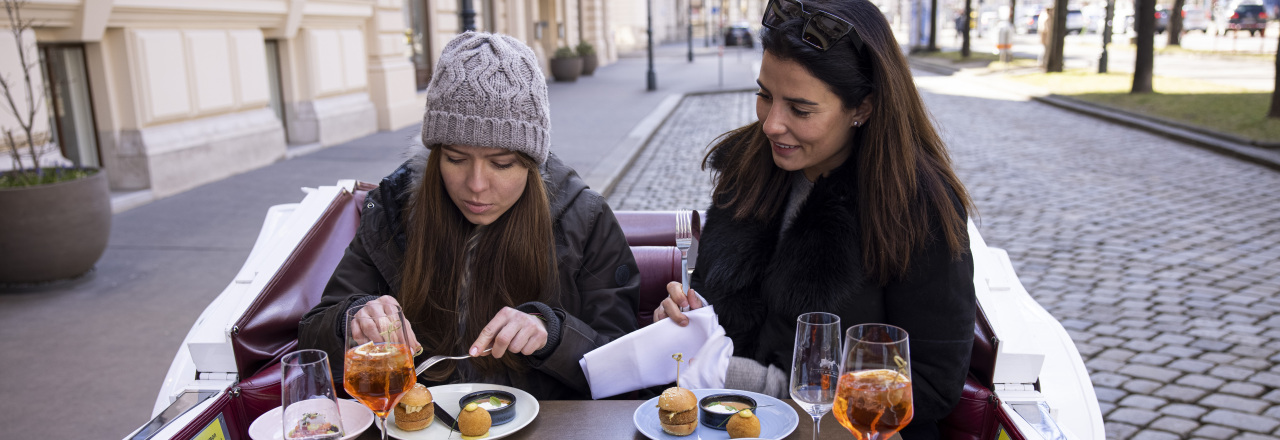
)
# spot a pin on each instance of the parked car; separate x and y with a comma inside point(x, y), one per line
point(1252, 18)
point(1162, 21)
point(1027, 24)
point(1195, 19)
point(1075, 22)
point(739, 35)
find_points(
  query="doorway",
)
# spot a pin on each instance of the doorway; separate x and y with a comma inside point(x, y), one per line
point(70, 105)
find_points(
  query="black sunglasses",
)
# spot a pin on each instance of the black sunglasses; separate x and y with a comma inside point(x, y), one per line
point(822, 29)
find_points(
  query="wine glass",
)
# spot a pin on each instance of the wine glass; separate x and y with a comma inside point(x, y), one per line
point(815, 364)
point(873, 400)
point(309, 405)
point(378, 365)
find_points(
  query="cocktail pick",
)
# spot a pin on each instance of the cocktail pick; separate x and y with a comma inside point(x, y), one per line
point(679, 357)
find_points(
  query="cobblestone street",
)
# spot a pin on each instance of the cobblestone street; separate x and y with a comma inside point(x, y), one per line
point(1162, 260)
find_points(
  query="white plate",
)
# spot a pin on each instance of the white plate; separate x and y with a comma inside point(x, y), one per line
point(446, 396)
point(777, 419)
point(355, 419)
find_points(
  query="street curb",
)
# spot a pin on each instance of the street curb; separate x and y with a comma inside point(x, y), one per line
point(606, 174)
point(1257, 152)
point(1216, 142)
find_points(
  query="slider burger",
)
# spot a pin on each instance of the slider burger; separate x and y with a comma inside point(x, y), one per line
point(678, 411)
point(415, 410)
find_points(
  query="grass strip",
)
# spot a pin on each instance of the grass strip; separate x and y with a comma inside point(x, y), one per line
point(1234, 110)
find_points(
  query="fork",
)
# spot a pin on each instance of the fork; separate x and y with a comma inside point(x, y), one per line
point(684, 240)
point(436, 359)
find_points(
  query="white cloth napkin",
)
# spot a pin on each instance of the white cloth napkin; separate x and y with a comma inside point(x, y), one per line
point(643, 358)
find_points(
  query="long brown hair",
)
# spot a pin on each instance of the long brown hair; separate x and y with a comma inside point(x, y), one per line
point(513, 263)
point(903, 169)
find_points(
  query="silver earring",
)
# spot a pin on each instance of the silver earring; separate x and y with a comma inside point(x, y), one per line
point(856, 124)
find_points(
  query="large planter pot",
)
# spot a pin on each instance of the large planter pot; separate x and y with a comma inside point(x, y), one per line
point(566, 69)
point(53, 232)
point(589, 64)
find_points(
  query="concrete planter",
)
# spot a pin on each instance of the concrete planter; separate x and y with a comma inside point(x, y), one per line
point(589, 64)
point(566, 69)
point(53, 232)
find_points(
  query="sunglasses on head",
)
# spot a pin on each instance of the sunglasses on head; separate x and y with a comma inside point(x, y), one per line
point(822, 29)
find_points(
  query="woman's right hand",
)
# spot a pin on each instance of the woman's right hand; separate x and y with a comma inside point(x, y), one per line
point(378, 308)
point(676, 303)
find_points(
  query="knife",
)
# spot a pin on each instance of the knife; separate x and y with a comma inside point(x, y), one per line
point(444, 416)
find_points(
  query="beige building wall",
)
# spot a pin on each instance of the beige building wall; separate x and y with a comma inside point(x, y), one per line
point(183, 90)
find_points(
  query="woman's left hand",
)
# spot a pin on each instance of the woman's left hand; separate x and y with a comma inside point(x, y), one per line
point(511, 331)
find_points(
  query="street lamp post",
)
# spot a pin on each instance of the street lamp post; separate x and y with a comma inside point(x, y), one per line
point(1106, 35)
point(690, 23)
point(652, 83)
point(468, 16)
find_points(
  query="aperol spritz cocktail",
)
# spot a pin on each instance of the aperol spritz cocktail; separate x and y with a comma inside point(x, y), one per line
point(873, 398)
point(377, 368)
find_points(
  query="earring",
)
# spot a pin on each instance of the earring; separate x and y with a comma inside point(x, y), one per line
point(856, 124)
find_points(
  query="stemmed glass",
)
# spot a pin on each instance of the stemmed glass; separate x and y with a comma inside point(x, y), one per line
point(378, 365)
point(309, 406)
point(814, 364)
point(873, 400)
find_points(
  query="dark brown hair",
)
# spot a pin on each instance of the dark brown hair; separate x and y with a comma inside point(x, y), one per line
point(514, 262)
point(903, 170)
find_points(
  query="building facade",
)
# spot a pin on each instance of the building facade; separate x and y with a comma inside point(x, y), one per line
point(166, 95)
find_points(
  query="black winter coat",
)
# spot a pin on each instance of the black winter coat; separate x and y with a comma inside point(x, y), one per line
point(760, 284)
point(596, 302)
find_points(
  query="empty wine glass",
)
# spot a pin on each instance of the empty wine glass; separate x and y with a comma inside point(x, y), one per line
point(309, 405)
point(378, 365)
point(815, 364)
point(873, 400)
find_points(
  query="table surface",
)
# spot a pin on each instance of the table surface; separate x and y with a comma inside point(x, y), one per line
point(612, 419)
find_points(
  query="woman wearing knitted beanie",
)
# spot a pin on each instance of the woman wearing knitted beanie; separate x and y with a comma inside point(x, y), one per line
point(485, 239)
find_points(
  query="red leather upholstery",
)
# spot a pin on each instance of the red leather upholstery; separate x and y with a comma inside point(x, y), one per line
point(659, 265)
point(270, 325)
point(654, 228)
point(974, 417)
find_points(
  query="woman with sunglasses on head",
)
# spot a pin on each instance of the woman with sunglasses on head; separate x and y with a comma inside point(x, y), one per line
point(490, 244)
point(840, 199)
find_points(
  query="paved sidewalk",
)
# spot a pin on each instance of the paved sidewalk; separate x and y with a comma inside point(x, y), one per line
point(100, 346)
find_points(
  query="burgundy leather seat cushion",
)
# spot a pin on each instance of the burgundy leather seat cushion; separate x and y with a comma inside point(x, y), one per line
point(659, 265)
point(654, 228)
point(974, 417)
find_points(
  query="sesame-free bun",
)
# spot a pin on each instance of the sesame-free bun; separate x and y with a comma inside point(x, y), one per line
point(678, 411)
point(419, 395)
point(676, 399)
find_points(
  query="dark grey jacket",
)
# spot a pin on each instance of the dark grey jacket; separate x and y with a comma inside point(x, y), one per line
point(596, 302)
point(760, 283)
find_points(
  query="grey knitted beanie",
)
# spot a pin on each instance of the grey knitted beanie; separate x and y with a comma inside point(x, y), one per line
point(488, 91)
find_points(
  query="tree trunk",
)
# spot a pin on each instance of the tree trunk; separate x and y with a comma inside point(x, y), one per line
point(1145, 58)
point(964, 42)
point(1175, 23)
point(1058, 38)
point(1275, 93)
point(933, 25)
